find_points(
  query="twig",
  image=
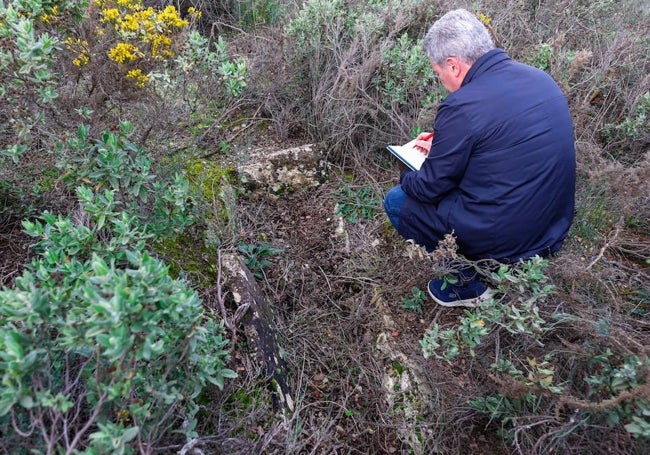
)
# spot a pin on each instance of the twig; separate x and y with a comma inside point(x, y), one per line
point(528, 426)
point(190, 447)
point(253, 121)
point(625, 396)
point(607, 244)
point(91, 421)
point(218, 121)
point(14, 424)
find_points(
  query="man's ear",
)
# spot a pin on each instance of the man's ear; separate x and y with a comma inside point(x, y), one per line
point(453, 64)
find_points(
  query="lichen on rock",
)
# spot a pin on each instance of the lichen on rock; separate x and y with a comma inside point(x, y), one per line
point(285, 171)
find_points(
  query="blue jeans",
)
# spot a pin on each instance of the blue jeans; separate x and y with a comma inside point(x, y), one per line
point(393, 202)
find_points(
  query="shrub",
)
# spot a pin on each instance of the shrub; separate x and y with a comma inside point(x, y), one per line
point(524, 284)
point(634, 128)
point(28, 81)
point(134, 38)
point(533, 379)
point(118, 179)
point(205, 60)
point(361, 70)
point(100, 348)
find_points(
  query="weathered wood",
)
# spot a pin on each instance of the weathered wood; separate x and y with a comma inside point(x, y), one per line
point(259, 327)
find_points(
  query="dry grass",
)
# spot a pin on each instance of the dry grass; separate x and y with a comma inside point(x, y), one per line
point(337, 293)
point(326, 289)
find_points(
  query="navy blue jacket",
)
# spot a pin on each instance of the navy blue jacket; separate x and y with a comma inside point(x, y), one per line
point(501, 169)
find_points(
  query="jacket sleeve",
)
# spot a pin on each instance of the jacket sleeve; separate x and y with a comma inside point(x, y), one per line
point(443, 170)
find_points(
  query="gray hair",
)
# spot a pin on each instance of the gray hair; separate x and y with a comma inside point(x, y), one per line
point(457, 34)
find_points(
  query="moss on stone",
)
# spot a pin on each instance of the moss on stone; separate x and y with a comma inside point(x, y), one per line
point(208, 177)
point(193, 253)
point(189, 258)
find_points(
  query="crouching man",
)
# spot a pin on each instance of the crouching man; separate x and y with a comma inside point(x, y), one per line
point(500, 167)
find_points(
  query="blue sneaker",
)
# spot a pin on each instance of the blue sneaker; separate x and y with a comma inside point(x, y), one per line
point(469, 291)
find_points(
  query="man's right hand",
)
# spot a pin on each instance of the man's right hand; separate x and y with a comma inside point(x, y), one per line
point(423, 142)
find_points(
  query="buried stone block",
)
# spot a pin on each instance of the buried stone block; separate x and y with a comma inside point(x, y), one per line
point(288, 170)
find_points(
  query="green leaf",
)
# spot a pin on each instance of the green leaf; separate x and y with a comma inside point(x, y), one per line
point(12, 345)
point(26, 401)
point(7, 401)
point(99, 266)
point(130, 434)
point(95, 331)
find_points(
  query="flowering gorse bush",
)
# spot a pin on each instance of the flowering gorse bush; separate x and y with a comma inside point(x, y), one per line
point(134, 37)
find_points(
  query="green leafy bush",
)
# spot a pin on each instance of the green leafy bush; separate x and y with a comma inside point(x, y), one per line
point(204, 60)
point(612, 375)
point(406, 74)
point(28, 80)
point(118, 179)
point(636, 126)
point(524, 284)
point(364, 66)
point(100, 349)
point(531, 384)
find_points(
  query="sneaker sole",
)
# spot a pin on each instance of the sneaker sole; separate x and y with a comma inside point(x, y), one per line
point(468, 303)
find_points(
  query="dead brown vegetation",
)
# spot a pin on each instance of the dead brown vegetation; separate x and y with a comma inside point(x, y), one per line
point(337, 287)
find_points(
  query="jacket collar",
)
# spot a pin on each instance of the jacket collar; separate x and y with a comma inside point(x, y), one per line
point(484, 63)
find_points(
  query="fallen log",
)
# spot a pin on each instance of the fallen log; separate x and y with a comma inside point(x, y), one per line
point(257, 322)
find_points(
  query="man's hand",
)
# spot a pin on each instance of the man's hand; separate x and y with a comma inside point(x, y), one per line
point(423, 142)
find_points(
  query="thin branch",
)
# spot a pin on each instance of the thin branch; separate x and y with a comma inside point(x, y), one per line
point(608, 243)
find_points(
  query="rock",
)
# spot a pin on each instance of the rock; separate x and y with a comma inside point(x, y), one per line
point(288, 170)
point(405, 388)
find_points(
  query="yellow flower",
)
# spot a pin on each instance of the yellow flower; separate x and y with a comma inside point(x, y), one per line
point(110, 15)
point(194, 13)
point(161, 46)
point(137, 77)
point(81, 60)
point(486, 20)
point(80, 47)
point(48, 18)
point(124, 52)
point(131, 5)
point(129, 23)
point(169, 16)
